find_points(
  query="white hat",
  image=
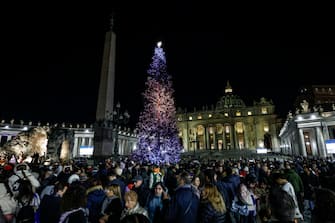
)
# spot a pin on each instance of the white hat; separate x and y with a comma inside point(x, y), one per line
point(118, 171)
point(73, 178)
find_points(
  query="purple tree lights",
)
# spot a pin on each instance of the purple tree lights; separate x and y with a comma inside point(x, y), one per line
point(158, 141)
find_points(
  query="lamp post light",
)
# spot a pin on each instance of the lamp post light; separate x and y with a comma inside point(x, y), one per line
point(119, 118)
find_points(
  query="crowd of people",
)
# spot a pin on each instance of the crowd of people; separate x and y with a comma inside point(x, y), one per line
point(217, 191)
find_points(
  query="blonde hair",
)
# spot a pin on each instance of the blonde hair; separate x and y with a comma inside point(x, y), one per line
point(212, 194)
point(115, 189)
point(132, 195)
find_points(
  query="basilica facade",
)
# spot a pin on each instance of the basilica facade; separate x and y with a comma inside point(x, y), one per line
point(230, 125)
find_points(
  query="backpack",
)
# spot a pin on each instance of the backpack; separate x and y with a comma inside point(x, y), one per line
point(26, 214)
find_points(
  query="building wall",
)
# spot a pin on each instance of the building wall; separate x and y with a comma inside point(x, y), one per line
point(237, 128)
point(306, 133)
point(83, 136)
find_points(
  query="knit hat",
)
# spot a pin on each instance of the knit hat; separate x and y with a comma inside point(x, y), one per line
point(137, 178)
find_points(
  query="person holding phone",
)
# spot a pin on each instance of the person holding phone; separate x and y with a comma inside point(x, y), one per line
point(155, 202)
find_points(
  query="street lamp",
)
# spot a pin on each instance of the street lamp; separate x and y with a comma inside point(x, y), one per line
point(119, 118)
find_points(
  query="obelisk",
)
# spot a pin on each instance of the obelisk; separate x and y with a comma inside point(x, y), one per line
point(103, 134)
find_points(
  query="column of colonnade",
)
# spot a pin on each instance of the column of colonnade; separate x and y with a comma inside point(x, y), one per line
point(320, 142)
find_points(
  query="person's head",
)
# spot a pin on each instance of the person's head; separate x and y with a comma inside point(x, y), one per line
point(184, 178)
point(196, 181)
point(159, 188)
point(25, 189)
point(135, 218)
point(113, 189)
point(74, 197)
point(210, 176)
point(243, 189)
point(211, 193)
point(138, 180)
point(282, 205)
point(156, 169)
point(279, 177)
point(130, 199)
point(251, 180)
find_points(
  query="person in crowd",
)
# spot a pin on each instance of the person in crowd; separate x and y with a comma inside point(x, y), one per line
point(294, 178)
point(155, 176)
point(26, 197)
point(73, 204)
point(64, 175)
point(7, 202)
point(196, 184)
point(244, 205)
point(141, 189)
point(112, 205)
point(212, 206)
point(170, 179)
point(324, 210)
point(229, 186)
point(52, 201)
point(95, 197)
point(281, 181)
point(281, 206)
point(262, 192)
point(183, 206)
point(22, 171)
point(311, 182)
point(155, 203)
point(132, 207)
point(114, 176)
point(135, 218)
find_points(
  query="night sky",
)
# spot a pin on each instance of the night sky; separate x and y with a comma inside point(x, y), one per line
point(52, 56)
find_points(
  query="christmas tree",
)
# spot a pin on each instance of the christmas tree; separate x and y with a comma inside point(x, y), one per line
point(158, 141)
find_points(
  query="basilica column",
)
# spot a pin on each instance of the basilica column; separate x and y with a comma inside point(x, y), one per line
point(320, 142)
point(207, 138)
point(224, 143)
point(234, 143)
point(214, 139)
point(302, 143)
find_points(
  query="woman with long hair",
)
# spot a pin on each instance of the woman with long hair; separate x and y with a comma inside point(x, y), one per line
point(212, 206)
point(73, 204)
point(112, 205)
point(155, 203)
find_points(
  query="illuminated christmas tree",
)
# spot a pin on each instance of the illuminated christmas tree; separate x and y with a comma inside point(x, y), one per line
point(158, 141)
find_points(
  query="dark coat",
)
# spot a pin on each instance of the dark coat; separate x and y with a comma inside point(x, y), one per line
point(114, 210)
point(50, 202)
point(95, 197)
point(77, 217)
point(183, 206)
point(209, 215)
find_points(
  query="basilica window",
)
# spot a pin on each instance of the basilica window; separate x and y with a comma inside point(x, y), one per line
point(264, 110)
point(266, 127)
point(249, 113)
point(239, 127)
point(238, 113)
point(227, 130)
point(219, 129)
